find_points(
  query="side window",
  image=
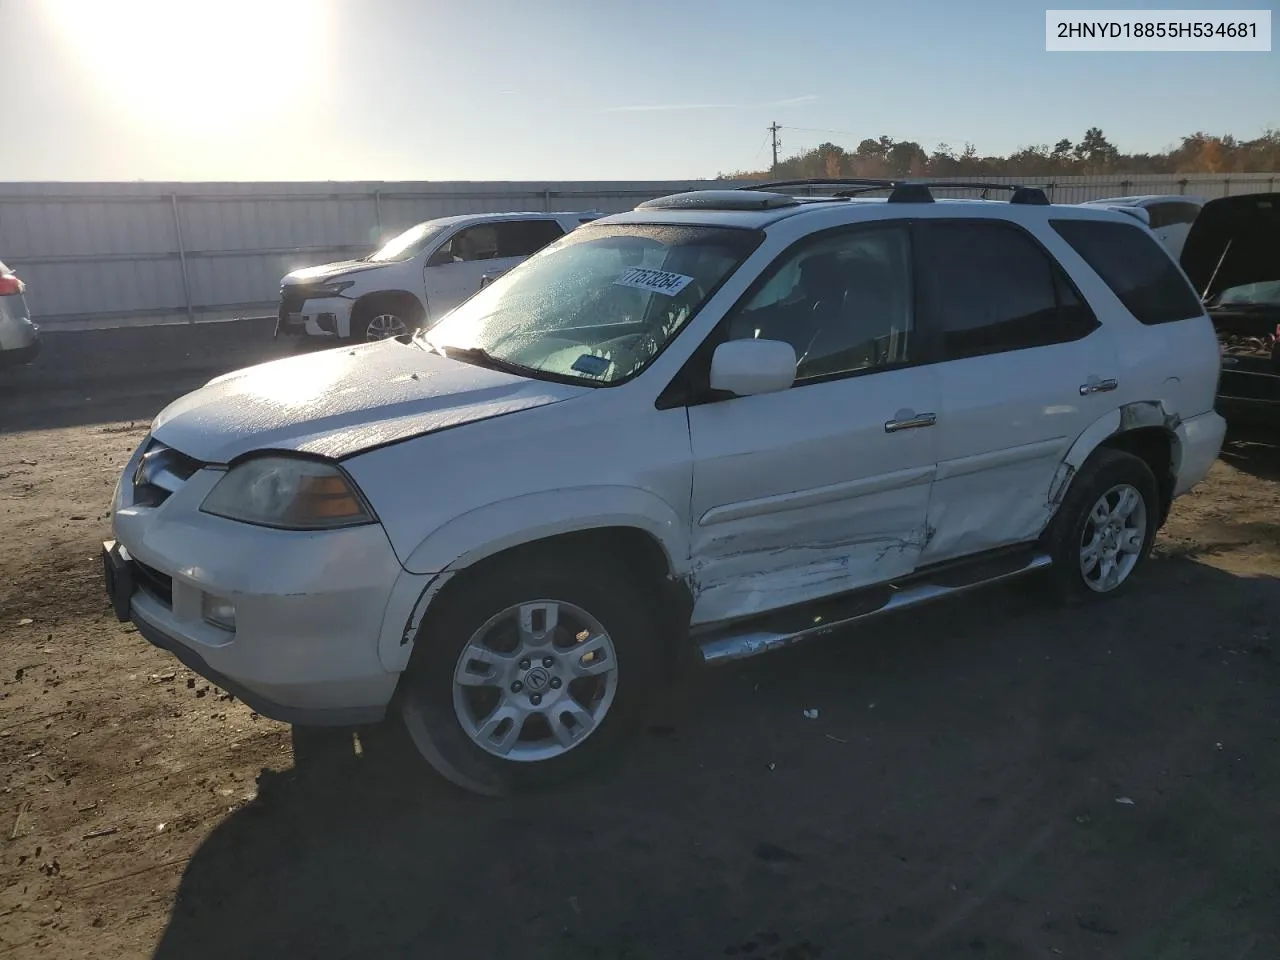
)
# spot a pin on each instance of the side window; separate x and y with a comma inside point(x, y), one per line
point(993, 289)
point(1183, 213)
point(522, 238)
point(843, 301)
point(474, 243)
point(1160, 215)
point(1171, 213)
point(1136, 268)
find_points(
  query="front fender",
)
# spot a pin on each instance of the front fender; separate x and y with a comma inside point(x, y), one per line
point(495, 527)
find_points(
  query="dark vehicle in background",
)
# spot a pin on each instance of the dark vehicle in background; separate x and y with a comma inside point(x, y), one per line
point(1232, 257)
point(19, 337)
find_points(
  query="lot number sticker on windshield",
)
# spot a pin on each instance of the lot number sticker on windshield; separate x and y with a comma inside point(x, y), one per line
point(655, 281)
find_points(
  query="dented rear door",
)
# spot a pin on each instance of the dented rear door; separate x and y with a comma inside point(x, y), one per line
point(1025, 368)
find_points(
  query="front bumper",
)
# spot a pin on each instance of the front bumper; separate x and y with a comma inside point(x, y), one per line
point(309, 607)
point(325, 317)
point(121, 583)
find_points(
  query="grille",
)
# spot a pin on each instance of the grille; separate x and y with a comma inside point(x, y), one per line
point(291, 300)
point(161, 472)
point(157, 584)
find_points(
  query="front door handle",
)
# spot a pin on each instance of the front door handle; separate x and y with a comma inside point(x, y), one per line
point(1097, 386)
point(913, 422)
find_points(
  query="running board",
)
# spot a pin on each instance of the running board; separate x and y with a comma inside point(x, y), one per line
point(785, 628)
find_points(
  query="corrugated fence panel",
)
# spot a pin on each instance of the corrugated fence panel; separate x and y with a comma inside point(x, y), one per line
point(107, 254)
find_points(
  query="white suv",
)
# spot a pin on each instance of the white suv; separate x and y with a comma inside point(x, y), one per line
point(415, 278)
point(732, 419)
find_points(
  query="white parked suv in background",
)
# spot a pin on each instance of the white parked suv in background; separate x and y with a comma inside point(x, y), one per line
point(727, 419)
point(415, 278)
point(1169, 217)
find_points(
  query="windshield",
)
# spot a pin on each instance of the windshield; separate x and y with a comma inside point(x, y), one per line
point(408, 245)
point(599, 304)
point(1265, 293)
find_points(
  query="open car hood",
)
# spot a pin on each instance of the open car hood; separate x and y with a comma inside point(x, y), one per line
point(1250, 224)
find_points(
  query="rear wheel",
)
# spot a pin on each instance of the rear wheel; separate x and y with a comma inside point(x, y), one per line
point(1105, 527)
point(529, 675)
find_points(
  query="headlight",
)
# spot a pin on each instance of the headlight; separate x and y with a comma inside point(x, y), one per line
point(330, 289)
point(290, 493)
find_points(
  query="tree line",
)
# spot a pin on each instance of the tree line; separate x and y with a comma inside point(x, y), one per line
point(1093, 154)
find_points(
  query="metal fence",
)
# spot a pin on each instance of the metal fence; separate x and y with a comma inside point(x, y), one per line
point(120, 254)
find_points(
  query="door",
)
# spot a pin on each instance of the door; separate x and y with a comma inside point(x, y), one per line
point(824, 487)
point(486, 250)
point(453, 272)
point(1025, 368)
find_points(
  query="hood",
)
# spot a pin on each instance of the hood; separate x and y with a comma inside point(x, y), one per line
point(338, 402)
point(326, 271)
point(1250, 223)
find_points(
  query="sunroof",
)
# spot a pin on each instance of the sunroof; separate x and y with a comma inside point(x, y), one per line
point(720, 200)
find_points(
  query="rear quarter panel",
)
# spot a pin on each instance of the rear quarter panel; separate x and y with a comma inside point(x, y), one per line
point(1176, 364)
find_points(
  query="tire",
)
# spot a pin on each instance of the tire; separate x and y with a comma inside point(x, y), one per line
point(1107, 473)
point(429, 694)
point(380, 319)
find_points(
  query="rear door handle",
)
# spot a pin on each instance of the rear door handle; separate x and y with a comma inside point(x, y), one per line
point(1097, 386)
point(913, 422)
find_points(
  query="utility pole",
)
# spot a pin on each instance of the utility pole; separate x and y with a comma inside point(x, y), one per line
point(773, 131)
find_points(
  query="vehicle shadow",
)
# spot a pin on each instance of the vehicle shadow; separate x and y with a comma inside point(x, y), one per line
point(956, 791)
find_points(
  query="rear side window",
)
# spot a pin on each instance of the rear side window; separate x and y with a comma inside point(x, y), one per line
point(1172, 213)
point(992, 289)
point(1136, 268)
point(522, 238)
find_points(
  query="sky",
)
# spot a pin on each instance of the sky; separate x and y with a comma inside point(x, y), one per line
point(570, 89)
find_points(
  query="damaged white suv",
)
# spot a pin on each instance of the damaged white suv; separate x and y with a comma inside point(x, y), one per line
point(727, 419)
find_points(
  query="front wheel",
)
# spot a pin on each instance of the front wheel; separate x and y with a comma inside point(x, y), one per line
point(384, 317)
point(380, 326)
point(1105, 527)
point(528, 676)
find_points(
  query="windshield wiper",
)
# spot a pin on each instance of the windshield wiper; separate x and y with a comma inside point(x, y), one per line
point(481, 358)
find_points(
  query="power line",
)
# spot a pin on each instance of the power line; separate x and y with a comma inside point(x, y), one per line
point(763, 140)
point(843, 133)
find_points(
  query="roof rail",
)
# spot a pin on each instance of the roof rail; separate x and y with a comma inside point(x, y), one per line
point(906, 191)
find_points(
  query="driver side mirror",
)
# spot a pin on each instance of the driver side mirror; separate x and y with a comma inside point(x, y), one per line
point(748, 367)
point(442, 257)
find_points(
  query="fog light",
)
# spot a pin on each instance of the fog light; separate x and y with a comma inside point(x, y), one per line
point(327, 322)
point(219, 612)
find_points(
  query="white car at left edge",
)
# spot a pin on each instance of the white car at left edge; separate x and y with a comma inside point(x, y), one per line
point(415, 278)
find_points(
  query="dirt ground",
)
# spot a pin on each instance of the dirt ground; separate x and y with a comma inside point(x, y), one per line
point(985, 778)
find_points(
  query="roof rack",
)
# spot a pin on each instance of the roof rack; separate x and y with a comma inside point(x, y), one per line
point(905, 191)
